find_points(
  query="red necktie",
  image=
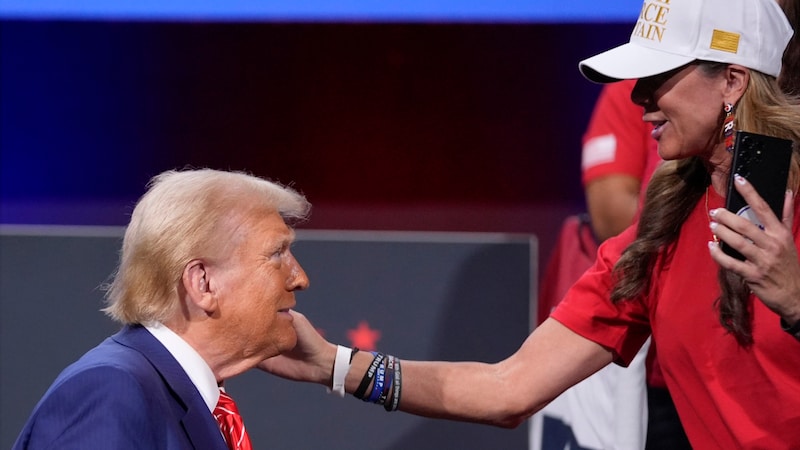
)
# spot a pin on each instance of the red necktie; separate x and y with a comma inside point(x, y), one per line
point(231, 424)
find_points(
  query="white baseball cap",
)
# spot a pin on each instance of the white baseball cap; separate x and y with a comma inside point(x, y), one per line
point(672, 33)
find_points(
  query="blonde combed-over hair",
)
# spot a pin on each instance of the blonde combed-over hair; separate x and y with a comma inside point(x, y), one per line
point(183, 216)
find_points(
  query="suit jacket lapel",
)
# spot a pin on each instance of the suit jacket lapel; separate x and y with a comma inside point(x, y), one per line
point(199, 424)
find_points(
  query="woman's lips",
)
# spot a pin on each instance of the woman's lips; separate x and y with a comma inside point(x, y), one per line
point(658, 129)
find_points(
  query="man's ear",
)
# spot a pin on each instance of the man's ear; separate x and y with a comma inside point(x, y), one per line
point(737, 78)
point(197, 282)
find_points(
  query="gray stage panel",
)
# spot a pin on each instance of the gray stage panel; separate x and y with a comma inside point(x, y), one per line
point(429, 295)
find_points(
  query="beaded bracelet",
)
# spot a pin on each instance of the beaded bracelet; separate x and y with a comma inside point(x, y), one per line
point(365, 382)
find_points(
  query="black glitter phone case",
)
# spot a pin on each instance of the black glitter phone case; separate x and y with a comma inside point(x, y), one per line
point(764, 162)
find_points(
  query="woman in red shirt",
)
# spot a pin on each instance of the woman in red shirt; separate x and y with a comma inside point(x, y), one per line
point(727, 330)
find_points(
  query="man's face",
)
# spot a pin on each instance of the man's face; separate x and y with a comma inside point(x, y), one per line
point(255, 286)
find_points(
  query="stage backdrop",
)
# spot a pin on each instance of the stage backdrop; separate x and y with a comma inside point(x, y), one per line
point(421, 126)
point(415, 295)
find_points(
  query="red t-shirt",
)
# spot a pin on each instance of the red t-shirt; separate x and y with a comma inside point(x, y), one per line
point(727, 396)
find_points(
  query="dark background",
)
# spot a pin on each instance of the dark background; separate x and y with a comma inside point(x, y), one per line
point(403, 126)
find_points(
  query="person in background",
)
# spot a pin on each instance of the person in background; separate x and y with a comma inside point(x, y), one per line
point(614, 408)
point(204, 287)
point(619, 158)
point(727, 330)
point(609, 409)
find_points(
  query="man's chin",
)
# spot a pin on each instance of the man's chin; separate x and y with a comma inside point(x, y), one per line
point(288, 342)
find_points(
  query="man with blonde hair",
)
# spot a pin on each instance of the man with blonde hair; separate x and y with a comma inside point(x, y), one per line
point(205, 283)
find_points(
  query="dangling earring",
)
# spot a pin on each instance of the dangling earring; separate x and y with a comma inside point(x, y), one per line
point(727, 126)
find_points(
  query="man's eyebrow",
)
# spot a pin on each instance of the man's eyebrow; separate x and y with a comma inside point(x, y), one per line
point(286, 241)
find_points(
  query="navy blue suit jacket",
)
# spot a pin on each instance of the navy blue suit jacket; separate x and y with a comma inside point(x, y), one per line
point(126, 393)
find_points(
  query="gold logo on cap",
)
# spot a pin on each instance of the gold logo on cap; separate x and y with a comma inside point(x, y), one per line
point(652, 20)
point(725, 41)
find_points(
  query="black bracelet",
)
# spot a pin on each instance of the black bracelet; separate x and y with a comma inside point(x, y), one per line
point(387, 385)
point(366, 381)
point(794, 330)
point(389, 407)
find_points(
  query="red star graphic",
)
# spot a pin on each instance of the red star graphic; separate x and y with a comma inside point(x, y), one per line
point(364, 337)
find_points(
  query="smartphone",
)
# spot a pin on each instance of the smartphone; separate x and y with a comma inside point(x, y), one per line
point(764, 161)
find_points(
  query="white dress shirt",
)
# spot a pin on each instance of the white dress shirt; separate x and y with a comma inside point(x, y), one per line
point(190, 361)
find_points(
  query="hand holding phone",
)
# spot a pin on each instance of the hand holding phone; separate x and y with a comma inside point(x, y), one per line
point(764, 161)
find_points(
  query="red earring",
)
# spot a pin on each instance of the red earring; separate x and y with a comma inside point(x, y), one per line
point(727, 126)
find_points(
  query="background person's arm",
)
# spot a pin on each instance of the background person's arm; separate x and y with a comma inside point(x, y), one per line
point(612, 201)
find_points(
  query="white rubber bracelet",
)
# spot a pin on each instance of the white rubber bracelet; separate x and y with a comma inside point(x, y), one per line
point(340, 368)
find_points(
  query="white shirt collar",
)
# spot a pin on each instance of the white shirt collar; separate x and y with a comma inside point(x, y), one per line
point(190, 361)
